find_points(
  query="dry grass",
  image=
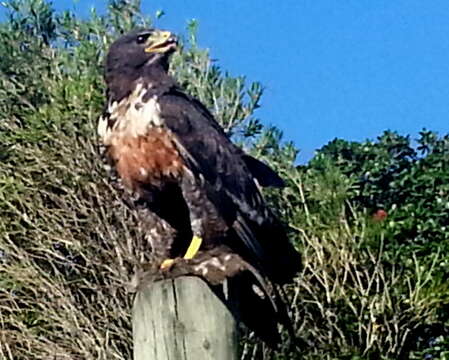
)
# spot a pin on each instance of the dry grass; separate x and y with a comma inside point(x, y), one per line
point(68, 250)
point(349, 300)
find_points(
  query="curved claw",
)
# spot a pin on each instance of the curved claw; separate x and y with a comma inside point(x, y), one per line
point(167, 264)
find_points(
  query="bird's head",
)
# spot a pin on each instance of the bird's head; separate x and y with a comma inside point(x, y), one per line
point(139, 53)
point(139, 48)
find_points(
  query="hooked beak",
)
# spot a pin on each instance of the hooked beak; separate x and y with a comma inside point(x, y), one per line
point(161, 42)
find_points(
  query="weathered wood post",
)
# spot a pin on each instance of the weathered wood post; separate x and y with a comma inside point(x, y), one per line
point(182, 319)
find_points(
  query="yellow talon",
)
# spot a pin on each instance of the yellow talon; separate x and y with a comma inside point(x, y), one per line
point(193, 247)
point(167, 264)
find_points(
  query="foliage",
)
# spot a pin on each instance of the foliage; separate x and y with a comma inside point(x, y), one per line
point(409, 186)
point(371, 287)
point(412, 188)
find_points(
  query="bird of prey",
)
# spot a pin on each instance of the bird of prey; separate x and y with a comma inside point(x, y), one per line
point(167, 148)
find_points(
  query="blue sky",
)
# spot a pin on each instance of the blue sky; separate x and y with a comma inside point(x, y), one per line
point(348, 69)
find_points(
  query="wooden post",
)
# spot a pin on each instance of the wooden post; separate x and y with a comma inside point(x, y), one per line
point(182, 319)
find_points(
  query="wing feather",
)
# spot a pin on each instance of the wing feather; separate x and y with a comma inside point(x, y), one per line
point(229, 176)
point(211, 153)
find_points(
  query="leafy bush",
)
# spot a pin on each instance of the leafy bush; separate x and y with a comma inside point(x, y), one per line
point(409, 187)
point(390, 174)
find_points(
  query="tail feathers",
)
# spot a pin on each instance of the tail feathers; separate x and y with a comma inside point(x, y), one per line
point(262, 310)
point(282, 260)
point(255, 311)
point(268, 249)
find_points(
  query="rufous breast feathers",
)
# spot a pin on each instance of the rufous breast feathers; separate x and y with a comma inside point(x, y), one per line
point(143, 150)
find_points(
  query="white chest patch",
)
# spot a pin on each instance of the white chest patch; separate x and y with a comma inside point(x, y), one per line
point(130, 117)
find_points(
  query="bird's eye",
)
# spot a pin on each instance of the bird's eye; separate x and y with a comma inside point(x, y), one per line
point(142, 38)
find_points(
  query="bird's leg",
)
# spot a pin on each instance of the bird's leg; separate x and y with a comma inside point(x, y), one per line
point(192, 250)
point(197, 212)
point(194, 197)
point(159, 234)
point(196, 242)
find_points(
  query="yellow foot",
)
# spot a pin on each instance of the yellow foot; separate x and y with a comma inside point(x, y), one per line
point(194, 246)
point(167, 264)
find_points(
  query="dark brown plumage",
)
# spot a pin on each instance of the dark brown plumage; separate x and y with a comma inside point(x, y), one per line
point(168, 149)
